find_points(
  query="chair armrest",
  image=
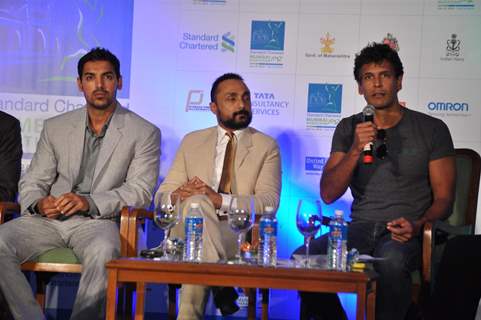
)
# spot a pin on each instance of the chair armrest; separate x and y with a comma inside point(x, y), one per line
point(8, 209)
point(427, 251)
point(130, 218)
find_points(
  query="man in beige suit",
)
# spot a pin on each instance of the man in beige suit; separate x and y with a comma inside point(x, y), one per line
point(197, 175)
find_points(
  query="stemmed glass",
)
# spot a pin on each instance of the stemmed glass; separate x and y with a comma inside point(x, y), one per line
point(241, 218)
point(166, 215)
point(308, 221)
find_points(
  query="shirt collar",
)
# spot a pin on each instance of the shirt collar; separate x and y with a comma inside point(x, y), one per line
point(221, 133)
point(104, 128)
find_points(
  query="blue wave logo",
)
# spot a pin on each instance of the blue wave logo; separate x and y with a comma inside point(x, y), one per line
point(228, 43)
point(324, 98)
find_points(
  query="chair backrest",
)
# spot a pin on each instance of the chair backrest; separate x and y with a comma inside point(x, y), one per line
point(468, 166)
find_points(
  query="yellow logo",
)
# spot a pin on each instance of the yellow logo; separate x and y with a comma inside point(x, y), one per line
point(327, 43)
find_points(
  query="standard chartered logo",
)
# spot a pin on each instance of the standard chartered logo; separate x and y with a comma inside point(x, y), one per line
point(208, 42)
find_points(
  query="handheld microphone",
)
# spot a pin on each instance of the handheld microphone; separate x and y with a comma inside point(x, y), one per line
point(368, 115)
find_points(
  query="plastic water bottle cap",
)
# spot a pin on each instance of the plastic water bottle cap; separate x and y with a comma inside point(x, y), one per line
point(194, 205)
point(268, 209)
point(339, 213)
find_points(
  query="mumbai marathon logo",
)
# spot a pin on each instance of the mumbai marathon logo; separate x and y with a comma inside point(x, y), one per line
point(324, 101)
point(453, 49)
point(314, 165)
point(195, 101)
point(208, 42)
point(448, 109)
point(391, 41)
point(266, 103)
point(455, 4)
point(327, 49)
point(267, 44)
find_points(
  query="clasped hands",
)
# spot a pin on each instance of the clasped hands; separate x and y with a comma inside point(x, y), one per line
point(67, 204)
point(193, 187)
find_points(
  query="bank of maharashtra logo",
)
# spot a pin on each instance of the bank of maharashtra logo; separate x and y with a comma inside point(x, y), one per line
point(208, 42)
point(268, 35)
point(326, 44)
point(195, 101)
point(456, 4)
point(391, 41)
point(315, 165)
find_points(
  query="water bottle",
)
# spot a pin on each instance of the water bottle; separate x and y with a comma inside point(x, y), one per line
point(193, 234)
point(267, 252)
point(337, 243)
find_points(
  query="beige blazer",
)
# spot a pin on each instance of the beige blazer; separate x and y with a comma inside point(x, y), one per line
point(257, 165)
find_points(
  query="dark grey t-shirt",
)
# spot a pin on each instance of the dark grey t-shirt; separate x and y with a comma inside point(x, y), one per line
point(398, 185)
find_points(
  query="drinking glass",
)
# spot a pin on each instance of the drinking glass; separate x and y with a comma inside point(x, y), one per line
point(308, 221)
point(166, 215)
point(241, 218)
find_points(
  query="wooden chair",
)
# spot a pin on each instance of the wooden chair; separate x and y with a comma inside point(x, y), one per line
point(64, 260)
point(461, 221)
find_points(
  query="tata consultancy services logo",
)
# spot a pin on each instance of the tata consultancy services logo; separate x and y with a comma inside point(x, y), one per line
point(195, 101)
point(324, 101)
point(391, 41)
point(266, 103)
point(207, 42)
point(453, 49)
point(455, 4)
point(314, 165)
point(267, 44)
point(448, 109)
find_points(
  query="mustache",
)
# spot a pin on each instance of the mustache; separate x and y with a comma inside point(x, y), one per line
point(242, 112)
point(100, 91)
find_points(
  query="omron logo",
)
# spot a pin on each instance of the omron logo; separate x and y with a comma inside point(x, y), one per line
point(448, 106)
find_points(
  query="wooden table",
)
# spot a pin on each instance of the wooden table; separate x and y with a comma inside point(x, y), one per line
point(141, 271)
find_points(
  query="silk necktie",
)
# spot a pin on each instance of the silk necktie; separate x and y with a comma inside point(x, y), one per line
point(225, 185)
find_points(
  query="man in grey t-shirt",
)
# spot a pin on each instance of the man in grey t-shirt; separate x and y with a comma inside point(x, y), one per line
point(411, 181)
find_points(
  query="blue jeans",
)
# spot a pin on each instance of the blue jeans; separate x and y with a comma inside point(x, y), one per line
point(393, 284)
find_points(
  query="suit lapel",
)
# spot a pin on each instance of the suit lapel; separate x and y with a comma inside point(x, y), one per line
point(206, 152)
point(109, 143)
point(243, 146)
point(76, 137)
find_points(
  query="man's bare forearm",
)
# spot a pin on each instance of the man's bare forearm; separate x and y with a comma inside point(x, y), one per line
point(337, 175)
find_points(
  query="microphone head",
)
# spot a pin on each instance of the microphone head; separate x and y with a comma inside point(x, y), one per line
point(368, 113)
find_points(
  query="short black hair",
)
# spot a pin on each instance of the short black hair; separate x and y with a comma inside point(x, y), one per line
point(224, 77)
point(99, 54)
point(377, 53)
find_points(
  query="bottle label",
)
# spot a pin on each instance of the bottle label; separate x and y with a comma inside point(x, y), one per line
point(338, 232)
point(193, 225)
point(267, 228)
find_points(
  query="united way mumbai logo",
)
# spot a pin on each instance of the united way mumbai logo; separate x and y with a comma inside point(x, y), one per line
point(267, 44)
point(324, 105)
point(314, 165)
